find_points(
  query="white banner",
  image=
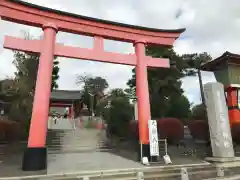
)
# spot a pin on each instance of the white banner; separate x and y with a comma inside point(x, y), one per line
point(153, 138)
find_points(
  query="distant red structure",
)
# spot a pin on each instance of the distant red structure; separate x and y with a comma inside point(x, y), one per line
point(52, 21)
point(67, 99)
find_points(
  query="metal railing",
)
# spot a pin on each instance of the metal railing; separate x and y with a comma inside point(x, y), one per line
point(165, 145)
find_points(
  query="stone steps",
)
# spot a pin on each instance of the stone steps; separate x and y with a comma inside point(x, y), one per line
point(61, 124)
point(75, 147)
point(80, 140)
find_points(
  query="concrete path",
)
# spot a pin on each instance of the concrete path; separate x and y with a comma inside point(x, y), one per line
point(75, 162)
point(10, 166)
point(78, 162)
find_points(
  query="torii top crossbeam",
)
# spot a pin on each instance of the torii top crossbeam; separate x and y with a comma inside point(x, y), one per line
point(34, 15)
point(38, 16)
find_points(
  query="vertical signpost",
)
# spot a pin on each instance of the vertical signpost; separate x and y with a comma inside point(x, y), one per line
point(153, 138)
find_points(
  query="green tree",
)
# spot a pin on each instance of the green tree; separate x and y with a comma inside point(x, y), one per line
point(118, 113)
point(194, 62)
point(199, 112)
point(95, 85)
point(55, 74)
point(179, 107)
point(6, 89)
point(93, 89)
point(131, 93)
point(118, 93)
point(165, 83)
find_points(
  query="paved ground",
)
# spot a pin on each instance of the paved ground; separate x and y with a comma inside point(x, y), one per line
point(63, 163)
point(73, 162)
point(11, 166)
point(77, 162)
point(88, 161)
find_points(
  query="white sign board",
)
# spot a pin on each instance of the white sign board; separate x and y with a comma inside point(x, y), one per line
point(153, 138)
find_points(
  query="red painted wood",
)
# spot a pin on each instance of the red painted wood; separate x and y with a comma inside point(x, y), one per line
point(157, 62)
point(94, 55)
point(234, 114)
point(38, 127)
point(82, 53)
point(142, 93)
point(22, 44)
point(98, 43)
point(14, 12)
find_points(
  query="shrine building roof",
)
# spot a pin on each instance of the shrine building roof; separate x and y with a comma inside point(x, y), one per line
point(221, 62)
point(66, 95)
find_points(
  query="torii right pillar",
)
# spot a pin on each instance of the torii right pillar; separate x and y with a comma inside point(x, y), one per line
point(142, 93)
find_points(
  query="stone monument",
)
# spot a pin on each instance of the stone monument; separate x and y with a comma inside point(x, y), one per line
point(220, 134)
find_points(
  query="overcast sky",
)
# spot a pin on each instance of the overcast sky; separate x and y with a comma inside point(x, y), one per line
point(211, 26)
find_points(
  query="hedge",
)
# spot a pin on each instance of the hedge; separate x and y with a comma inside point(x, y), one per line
point(171, 129)
point(199, 130)
point(10, 130)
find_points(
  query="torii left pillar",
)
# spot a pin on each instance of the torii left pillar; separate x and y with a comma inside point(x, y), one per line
point(35, 156)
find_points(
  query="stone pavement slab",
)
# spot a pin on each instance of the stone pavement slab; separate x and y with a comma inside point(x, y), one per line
point(75, 162)
point(11, 166)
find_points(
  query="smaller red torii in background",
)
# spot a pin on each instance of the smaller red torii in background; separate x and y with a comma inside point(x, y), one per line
point(52, 21)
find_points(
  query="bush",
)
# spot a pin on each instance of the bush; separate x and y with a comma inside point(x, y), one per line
point(14, 132)
point(236, 132)
point(118, 117)
point(171, 129)
point(10, 130)
point(199, 130)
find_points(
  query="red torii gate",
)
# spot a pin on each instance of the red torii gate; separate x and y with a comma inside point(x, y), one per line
point(52, 21)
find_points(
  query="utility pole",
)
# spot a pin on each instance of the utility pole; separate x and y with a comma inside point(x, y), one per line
point(201, 86)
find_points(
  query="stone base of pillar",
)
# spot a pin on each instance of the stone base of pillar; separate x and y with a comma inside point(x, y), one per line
point(34, 159)
point(222, 159)
point(145, 151)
